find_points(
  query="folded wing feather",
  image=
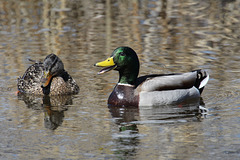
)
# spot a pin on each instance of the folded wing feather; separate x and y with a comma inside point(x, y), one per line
point(169, 82)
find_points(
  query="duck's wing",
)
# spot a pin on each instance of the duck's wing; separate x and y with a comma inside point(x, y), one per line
point(30, 81)
point(197, 78)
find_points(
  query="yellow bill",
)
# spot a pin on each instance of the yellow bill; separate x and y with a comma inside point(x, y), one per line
point(108, 63)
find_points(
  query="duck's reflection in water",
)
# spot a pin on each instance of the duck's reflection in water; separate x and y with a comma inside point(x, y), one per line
point(187, 111)
point(131, 119)
point(53, 107)
point(127, 140)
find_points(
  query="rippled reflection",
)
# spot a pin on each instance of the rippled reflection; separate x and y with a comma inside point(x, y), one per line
point(53, 107)
point(169, 36)
point(159, 114)
point(129, 119)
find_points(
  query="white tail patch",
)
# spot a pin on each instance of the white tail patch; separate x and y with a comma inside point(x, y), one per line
point(204, 82)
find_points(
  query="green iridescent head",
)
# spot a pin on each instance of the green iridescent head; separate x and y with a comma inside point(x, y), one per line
point(124, 60)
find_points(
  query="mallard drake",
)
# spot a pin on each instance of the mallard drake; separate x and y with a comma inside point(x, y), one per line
point(47, 78)
point(149, 90)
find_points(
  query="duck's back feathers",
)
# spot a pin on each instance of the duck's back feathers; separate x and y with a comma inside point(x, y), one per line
point(161, 82)
point(169, 82)
point(173, 88)
point(30, 82)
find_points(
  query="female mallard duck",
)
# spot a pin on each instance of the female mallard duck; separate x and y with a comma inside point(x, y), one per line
point(47, 78)
point(149, 90)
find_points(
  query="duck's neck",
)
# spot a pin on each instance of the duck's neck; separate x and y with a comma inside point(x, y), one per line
point(128, 77)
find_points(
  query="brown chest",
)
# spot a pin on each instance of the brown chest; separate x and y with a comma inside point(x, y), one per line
point(123, 95)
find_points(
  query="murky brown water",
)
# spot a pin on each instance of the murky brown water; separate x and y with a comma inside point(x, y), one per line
point(168, 36)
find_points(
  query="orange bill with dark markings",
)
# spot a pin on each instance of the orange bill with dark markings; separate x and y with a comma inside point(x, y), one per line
point(46, 78)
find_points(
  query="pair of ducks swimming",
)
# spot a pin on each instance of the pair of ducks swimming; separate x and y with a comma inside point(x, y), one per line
point(50, 78)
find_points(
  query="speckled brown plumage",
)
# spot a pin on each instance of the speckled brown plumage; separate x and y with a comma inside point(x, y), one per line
point(61, 84)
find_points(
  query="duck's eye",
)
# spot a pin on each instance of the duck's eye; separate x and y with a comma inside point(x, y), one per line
point(122, 54)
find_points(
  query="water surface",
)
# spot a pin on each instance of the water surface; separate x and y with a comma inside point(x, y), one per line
point(168, 36)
